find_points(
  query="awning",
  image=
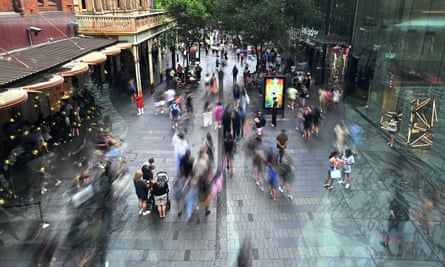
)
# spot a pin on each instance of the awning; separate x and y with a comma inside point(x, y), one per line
point(111, 51)
point(74, 68)
point(54, 81)
point(123, 46)
point(12, 97)
point(45, 57)
point(93, 58)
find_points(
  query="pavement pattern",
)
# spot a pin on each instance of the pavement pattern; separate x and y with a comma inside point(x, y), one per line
point(317, 228)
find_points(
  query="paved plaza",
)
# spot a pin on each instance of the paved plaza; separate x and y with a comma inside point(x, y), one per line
point(317, 228)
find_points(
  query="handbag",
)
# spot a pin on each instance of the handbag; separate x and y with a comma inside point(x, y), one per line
point(335, 174)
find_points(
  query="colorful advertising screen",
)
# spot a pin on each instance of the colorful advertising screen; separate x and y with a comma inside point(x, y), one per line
point(274, 91)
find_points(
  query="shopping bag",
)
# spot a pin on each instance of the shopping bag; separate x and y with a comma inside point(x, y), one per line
point(335, 174)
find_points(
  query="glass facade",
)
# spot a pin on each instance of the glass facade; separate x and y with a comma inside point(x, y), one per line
point(397, 66)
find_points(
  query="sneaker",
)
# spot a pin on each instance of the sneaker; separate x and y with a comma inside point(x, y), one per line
point(341, 182)
point(262, 188)
point(58, 182)
point(207, 212)
point(140, 211)
point(331, 187)
point(280, 189)
point(347, 186)
point(145, 213)
point(326, 185)
point(273, 125)
point(45, 225)
point(257, 183)
point(290, 197)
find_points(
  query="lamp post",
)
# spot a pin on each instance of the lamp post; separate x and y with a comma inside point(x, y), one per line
point(32, 29)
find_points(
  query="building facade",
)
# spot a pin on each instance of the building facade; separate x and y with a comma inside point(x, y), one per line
point(53, 52)
point(397, 68)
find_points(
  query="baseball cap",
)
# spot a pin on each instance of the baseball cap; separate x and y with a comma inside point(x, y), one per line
point(283, 129)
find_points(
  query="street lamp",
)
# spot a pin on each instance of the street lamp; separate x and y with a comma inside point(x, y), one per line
point(32, 29)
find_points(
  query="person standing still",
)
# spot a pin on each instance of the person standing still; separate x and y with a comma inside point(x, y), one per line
point(348, 160)
point(274, 111)
point(393, 127)
point(139, 104)
point(282, 141)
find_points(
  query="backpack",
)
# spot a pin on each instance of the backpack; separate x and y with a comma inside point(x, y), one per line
point(175, 110)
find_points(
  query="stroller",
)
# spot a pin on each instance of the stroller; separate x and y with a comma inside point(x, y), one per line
point(151, 200)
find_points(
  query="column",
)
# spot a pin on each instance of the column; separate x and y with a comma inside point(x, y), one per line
point(150, 66)
point(137, 68)
point(161, 68)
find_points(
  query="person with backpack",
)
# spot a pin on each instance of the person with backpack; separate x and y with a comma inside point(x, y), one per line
point(175, 114)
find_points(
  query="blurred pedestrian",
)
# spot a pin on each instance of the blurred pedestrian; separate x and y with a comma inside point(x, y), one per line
point(307, 124)
point(234, 74)
point(213, 84)
point(399, 210)
point(341, 132)
point(316, 116)
point(229, 151)
point(218, 115)
point(286, 170)
point(274, 180)
point(236, 123)
point(180, 147)
point(183, 181)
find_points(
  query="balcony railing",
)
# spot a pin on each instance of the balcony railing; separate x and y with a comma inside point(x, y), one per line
point(120, 24)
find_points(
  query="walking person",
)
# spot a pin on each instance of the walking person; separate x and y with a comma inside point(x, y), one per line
point(282, 140)
point(213, 84)
point(229, 151)
point(399, 210)
point(333, 162)
point(234, 73)
point(180, 146)
point(218, 115)
point(141, 189)
point(236, 123)
point(347, 161)
point(307, 124)
point(175, 114)
point(316, 116)
point(181, 184)
point(258, 164)
point(274, 180)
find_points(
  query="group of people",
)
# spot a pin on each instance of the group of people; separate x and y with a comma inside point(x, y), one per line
point(340, 169)
point(196, 177)
point(151, 189)
point(271, 164)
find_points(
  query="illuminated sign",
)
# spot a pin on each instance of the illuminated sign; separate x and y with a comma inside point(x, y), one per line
point(274, 91)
